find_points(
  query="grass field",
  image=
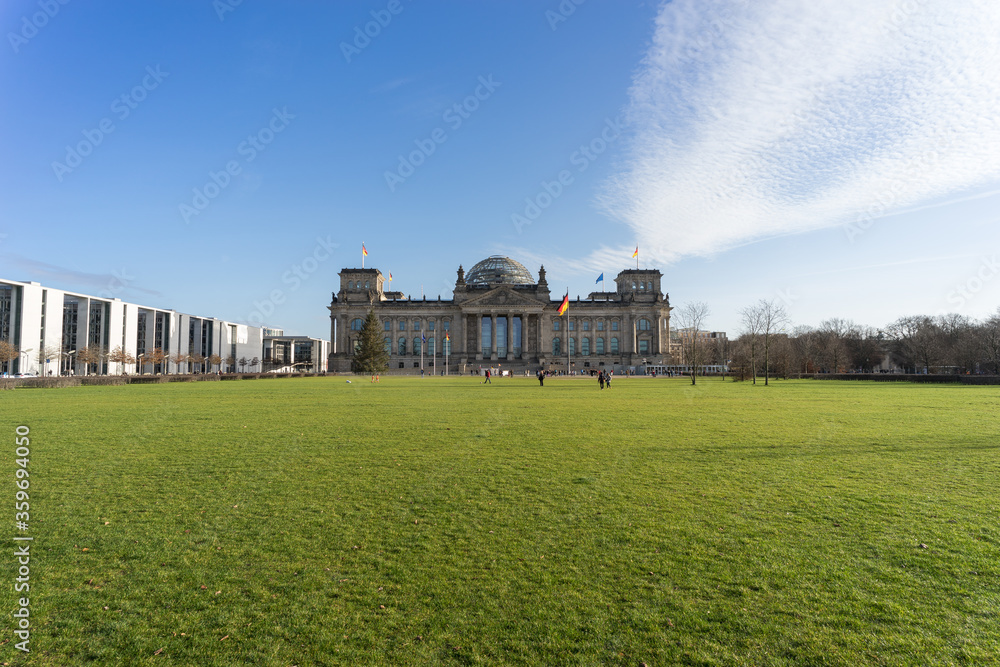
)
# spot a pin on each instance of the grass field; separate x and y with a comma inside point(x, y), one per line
point(438, 521)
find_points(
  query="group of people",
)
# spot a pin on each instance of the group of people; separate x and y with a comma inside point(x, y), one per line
point(604, 378)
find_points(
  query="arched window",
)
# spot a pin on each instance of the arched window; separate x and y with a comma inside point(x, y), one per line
point(614, 345)
point(600, 325)
point(572, 345)
point(599, 346)
point(556, 347)
point(555, 325)
point(649, 286)
point(430, 325)
point(357, 324)
point(388, 325)
point(402, 346)
point(571, 325)
point(430, 346)
point(585, 346)
point(614, 325)
point(416, 325)
point(633, 284)
point(416, 345)
point(446, 325)
point(388, 345)
point(402, 325)
point(644, 324)
point(586, 325)
point(366, 284)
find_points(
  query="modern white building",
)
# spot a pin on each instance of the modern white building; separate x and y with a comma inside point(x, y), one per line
point(50, 328)
point(295, 353)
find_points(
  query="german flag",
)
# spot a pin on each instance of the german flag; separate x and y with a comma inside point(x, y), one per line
point(636, 253)
point(564, 305)
point(364, 250)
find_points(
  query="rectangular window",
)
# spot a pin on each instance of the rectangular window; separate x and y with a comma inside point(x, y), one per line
point(430, 325)
point(416, 325)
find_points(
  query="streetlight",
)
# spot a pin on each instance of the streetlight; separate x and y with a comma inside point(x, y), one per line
point(25, 353)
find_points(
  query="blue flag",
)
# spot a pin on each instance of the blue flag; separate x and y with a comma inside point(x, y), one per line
point(599, 278)
point(423, 338)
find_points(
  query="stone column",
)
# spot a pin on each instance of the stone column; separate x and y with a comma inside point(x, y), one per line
point(493, 336)
point(479, 335)
point(510, 336)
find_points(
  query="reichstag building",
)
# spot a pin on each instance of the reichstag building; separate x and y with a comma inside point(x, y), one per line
point(500, 315)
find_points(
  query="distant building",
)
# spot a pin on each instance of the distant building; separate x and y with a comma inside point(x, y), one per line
point(35, 318)
point(708, 342)
point(295, 354)
point(500, 315)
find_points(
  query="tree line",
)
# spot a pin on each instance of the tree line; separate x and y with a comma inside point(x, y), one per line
point(768, 346)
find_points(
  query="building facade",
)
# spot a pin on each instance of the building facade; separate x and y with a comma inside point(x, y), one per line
point(50, 328)
point(285, 354)
point(500, 315)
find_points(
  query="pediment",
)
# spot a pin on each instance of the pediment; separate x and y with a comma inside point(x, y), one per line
point(503, 297)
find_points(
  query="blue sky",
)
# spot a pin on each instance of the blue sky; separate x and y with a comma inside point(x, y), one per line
point(229, 159)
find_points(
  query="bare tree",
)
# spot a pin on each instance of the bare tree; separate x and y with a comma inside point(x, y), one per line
point(692, 318)
point(917, 342)
point(196, 361)
point(830, 340)
point(44, 354)
point(989, 334)
point(179, 358)
point(773, 320)
point(120, 356)
point(88, 356)
point(214, 360)
point(231, 364)
point(156, 357)
point(753, 326)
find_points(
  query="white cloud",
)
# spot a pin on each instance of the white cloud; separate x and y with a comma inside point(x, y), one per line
point(753, 120)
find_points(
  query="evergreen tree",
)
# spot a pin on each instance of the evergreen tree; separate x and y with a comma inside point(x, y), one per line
point(371, 356)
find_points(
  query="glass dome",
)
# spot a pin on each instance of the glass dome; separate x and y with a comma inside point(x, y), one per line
point(499, 270)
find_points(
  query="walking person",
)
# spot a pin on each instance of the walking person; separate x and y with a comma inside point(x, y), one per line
point(607, 380)
point(600, 379)
point(487, 380)
point(541, 378)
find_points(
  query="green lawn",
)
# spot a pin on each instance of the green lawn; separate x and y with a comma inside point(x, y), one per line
point(438, 521)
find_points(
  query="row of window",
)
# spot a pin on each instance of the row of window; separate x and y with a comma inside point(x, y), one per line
point(643, 324)
point(417, 346)
point(649, 286)
point(358, 323)
point(356, 284)
point(557, 348)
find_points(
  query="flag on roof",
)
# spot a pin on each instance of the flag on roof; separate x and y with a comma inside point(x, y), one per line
point(636, 253)
point(564, 305)
point(599, 278)
point(364, 250)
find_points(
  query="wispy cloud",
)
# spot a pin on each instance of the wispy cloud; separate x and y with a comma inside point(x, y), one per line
point(72, 279)
point(753, 120)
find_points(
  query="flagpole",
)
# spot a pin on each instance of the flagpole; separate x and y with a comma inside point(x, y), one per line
point(568, 339)
point(362, 254)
